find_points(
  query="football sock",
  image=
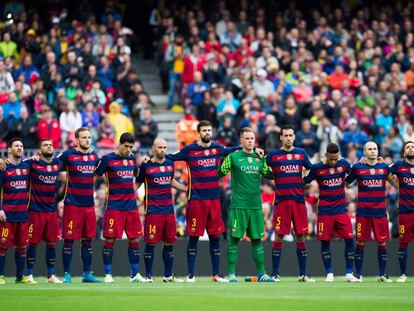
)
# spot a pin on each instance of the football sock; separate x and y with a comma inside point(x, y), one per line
point(31, 258)
point(3, 253)
point(258, 255)
point(402, 257)
point(302, 255)
point(349, 255)
point(382, 259)
point(67, 255)
point(326, 256)
point(359, 259)
point(86, 255)
point(276, 252)
point(149, 259)
point(215, 254)
point(107, 253)
point(50, 259)
point(19, 258)
point(133, 255)
point(168, 257)
point(232, 254)
point(191, 254)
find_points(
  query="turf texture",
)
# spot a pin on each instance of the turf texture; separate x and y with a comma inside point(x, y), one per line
point(204, 295)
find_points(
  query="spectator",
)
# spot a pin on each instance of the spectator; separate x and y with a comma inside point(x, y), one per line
point(147, 130)
point(207, 110)
point(354, 138)
point(186, 129)
point(393, 144)
point(6, 83)
point(195, 90)
point(119, 121)
point(70, 120)
point(327, 133)
point(27, 129)
point(306, 138)
point(227, 135)
point(270, 134)
point(364, 98)
point(8, 48)
point(3, 130)
point(261, 85)
point(48, 127)
point(227, 107)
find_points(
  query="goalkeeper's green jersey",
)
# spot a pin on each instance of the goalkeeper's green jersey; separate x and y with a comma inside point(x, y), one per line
point(245, 169)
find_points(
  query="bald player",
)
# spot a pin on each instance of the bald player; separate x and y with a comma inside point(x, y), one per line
point(160, 225)
point(371, 216)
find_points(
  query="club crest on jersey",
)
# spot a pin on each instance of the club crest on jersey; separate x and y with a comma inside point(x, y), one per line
point(372, 171)
point(18, 171)
point(169, 168)
point(289, 157)
point(24, 171)
point(412, 170)
point(125, 162)
point(331, 171)
point(381, 171)
point(49, 168)
point(297, 157)
point(162, 168)
point(214, 151)
point(131, 162)
point(340, 169)
point(257, 160)
point(85, 158)
point(206, 152)
point(249, 159)
point(55, 167)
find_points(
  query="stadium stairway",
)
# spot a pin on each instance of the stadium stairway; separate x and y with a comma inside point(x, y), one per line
point(166, 119)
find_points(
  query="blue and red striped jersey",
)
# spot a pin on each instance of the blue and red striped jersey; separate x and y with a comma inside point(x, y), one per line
point(120, 173)
point(157, 179)
point(80, 173)
point(14, 184)
point(331, 181)
point(405, 174)
point(287, 169)
point(371, 181)
point(203, 164)
point(43, 182)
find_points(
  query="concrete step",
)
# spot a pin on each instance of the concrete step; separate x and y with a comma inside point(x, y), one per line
point(167, 117)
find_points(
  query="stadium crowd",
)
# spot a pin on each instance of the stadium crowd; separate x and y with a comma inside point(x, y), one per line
point(342, 74)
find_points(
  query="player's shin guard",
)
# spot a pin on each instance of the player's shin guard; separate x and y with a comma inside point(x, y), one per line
point(133, 255)
point(402, 257)
point(86, 255)
point(3, 252)
point(359, 259)
point(67, 255)
point(382, 259)
point(276, 253)
point(302, 254)
point(50, 259)
point(19, 258)
point(191, 254)
point(149, 259)
point(232, 254)
point(258, 255)
point(215, 255)
point(326, 256)
point(31, 258)
point(349, 255)
point(168, 258)
point(107, 253)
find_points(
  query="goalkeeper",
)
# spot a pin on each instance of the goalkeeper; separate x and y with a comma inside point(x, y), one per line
point(246, 213)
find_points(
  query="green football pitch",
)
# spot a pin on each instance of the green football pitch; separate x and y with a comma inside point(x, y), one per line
point(204, 295)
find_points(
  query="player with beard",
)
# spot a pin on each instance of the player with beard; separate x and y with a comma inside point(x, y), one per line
point(79, 219)
point(287, 164)
point(43, 215)
point(404, 170)
point(203, 206)
point(14, 196)
point(371, 213)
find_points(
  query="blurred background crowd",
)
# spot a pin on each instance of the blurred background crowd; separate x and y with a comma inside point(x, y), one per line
point(338, 72)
